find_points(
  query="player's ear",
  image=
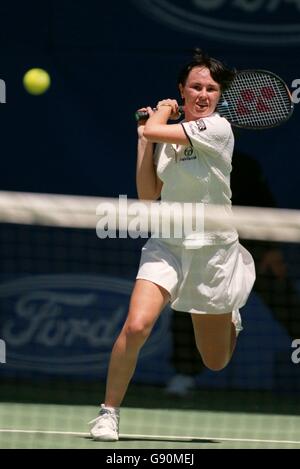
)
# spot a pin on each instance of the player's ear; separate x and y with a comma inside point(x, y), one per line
point(181, 90)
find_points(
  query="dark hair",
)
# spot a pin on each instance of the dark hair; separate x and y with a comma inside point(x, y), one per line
point(219, 72)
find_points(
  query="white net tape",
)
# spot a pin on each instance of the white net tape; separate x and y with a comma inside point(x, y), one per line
point(83, 212)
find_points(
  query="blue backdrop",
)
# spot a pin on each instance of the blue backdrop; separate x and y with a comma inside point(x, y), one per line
point(106, 59)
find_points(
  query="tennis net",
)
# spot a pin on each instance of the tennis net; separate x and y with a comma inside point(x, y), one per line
point(65, 286)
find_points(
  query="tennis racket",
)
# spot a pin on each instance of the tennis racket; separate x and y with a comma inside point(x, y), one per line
point(256, 99)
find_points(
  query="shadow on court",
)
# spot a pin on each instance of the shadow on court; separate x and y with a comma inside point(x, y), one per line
point(160, 439)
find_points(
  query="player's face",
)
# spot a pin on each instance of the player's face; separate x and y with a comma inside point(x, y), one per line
point(201, 94)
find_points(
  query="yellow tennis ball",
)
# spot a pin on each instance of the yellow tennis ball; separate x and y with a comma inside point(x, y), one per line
point(36, 81)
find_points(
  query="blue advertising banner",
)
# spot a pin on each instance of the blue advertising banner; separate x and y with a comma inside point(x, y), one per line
point(244, 22)
point(65, 326)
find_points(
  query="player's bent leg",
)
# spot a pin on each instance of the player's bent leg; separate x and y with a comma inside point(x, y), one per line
point(215, 336)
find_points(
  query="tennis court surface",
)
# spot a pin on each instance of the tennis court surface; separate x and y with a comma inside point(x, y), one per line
point(64, 296)
point(207, 420)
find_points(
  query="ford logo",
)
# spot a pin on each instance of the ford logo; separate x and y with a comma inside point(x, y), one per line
point(268, 22)
point(66, 323)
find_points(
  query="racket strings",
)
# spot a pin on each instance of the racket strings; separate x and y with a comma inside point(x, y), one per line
point(256, 100)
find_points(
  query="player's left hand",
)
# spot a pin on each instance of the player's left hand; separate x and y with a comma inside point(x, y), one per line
point(172, 104)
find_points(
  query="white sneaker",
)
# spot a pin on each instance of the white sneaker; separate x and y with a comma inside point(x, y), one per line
point(237, 321)
point(180, 385)
point(106, 426)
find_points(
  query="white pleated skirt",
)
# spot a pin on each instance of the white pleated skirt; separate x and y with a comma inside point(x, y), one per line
point(214, 279)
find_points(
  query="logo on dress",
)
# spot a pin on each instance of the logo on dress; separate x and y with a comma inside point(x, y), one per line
point(201, 124)
point(267, 22)
point(188, 151)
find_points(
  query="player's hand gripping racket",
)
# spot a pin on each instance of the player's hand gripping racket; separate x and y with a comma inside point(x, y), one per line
point(256, 99)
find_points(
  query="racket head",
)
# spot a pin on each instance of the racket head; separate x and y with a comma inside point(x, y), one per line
point(256, 99)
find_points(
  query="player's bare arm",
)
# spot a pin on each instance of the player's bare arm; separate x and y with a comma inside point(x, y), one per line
point(157, 128)
point(147, 182)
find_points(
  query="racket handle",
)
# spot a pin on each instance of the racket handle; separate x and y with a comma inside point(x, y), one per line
point(143, 115)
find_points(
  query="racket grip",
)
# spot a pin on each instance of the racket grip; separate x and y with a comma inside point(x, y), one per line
point(143, 115)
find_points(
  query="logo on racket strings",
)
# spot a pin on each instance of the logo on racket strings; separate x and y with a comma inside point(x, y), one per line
point(2, 351)
point(250, 101)
point(235, 21)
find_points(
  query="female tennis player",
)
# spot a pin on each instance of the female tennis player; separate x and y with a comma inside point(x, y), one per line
point(208, 276)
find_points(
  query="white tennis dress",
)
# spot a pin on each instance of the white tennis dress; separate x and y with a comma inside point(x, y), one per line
point(210, 272)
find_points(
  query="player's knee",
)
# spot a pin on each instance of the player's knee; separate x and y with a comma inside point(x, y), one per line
point(137, 332)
